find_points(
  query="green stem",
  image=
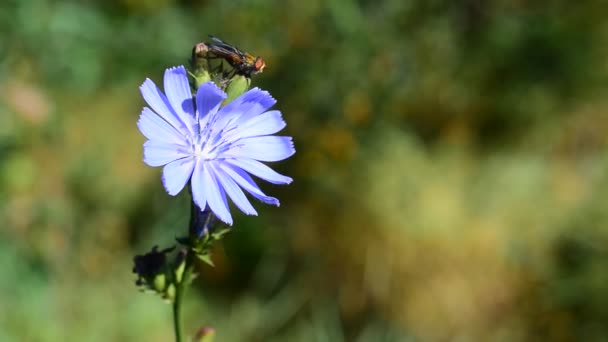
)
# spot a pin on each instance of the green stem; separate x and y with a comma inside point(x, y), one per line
point(177, 326)
point(195, 221)
point(179, 295)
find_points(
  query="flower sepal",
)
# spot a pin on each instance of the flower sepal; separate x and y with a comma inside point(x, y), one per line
point(203, 245)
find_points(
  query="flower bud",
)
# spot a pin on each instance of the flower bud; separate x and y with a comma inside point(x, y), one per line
point(179, 270)
point(200, 64)
point(160, 282)
point(169, 294)
point(206, 334)
point(237, 86)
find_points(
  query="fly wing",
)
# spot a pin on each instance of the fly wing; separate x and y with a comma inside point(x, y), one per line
point(238, 59)
point(217, 40)
point(220, 45)
point(230, 56)
point(221, 50)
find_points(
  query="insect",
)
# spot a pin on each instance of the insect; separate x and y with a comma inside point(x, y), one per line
point(243, 63)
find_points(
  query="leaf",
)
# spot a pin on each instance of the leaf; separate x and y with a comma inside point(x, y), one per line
point(206, 258)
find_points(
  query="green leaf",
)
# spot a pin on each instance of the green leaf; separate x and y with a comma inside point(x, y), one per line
point(220, 233)
point(206, 258)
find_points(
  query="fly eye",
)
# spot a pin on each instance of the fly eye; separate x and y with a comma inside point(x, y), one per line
point(259, 64)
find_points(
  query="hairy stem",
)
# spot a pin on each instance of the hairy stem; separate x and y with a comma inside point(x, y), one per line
point(179, 295)
point(200, 222)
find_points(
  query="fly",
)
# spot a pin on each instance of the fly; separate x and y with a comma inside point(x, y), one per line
point(242, 62)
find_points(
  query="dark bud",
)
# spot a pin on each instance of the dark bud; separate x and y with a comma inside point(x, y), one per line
point(151, 263)
point(202, 221)
point(154, 271)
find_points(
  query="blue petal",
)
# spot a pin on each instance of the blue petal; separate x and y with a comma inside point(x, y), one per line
point(176, 174)
point(155, 128)
point(266, 148)
point(259, 170)
point(208, 99)
point(216, 198)
point(160, 104)
point(233, 190)
point(264, 124)
point(159, 153)
point(179, 94)
point(199, 191)
point(254, 96)
point(246, 182)
point(253, 102)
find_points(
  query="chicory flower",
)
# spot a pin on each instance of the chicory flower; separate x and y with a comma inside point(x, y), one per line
point(217, 148)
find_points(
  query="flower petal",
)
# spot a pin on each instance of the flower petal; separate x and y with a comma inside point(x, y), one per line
point(155, 128)
point(176, 174)
point(246, 182)
point(160, 153)
point(266, 148)
point(247, 100)
point(233, 190)
point(259, 170)
point(178, 92)
point(160, 104)
point(216, 198)
point(264, 124)
point(253, 102)
point(199, 191)
point(208, 99)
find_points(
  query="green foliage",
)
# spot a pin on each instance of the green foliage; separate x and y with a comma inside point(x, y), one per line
point(450, 180)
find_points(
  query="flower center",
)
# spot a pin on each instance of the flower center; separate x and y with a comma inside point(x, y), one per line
point(208, 149)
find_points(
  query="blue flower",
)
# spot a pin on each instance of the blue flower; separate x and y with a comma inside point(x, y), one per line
point(216, 148)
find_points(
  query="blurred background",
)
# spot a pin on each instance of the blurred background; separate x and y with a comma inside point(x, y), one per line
point(451, 175)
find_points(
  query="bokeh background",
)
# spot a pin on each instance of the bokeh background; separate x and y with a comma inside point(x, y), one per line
point(451, 175)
